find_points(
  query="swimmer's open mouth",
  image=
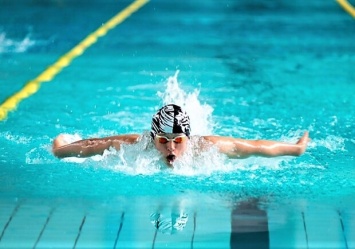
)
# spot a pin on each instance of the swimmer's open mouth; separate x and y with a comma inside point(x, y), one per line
point(171, 158)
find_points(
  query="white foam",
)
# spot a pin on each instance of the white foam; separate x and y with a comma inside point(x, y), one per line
point(15, 138)
point(139, 158)
point(8, 45)
point(200, 114)
point(142, 158)
point(331, 142)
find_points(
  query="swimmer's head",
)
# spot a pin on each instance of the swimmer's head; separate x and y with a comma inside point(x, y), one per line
point(170, 119)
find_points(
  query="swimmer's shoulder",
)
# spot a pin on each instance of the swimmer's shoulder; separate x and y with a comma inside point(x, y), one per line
point(203, 141)
point(214, 139)
point(207, 139)
point(211, 140)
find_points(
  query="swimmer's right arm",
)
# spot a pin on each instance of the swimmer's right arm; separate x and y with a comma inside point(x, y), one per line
point(90, 147)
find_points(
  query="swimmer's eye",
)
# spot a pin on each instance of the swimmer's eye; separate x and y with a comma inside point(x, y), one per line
point(164, 140)
point(179, 140)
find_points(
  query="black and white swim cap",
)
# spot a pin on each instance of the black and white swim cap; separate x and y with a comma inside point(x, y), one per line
point(170, 119)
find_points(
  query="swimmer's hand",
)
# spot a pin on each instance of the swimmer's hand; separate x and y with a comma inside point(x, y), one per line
point(302, 144)
point(64, 139)
point(59, 141)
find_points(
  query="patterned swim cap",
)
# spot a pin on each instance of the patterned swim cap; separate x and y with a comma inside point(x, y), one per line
point(170, 119)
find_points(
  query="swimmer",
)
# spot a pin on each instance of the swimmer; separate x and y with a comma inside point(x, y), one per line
point(170, 133)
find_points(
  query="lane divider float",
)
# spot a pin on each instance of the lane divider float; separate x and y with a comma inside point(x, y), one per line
point(47, 75)
point(347, 7)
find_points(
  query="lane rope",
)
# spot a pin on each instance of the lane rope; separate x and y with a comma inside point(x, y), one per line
point(32, 86)
point(347, 7)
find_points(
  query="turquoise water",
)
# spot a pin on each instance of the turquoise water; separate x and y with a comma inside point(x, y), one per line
point(257, 70)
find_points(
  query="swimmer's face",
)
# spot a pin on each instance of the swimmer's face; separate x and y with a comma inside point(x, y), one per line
point(171, 146)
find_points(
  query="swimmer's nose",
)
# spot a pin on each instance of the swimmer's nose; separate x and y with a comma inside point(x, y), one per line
point(170, 146)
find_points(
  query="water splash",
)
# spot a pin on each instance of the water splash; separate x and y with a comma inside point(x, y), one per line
point(200, 114)
point(18, 139)
point(8, 45)
point(143, 159)
point(331, 142)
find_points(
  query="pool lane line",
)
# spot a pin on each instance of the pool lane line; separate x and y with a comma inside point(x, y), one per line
point(47, 75)
point(119, 230)
point(79, 232)
point(343, 229)
point(347, 7)
point(193, 232)
point(305, 228)
point(10, 219)
point(43, 228)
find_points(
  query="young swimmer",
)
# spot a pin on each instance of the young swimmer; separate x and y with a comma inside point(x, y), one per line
point(170, 133)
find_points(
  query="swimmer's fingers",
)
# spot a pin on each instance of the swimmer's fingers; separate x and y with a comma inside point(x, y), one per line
point(64, 139)
point(304, 139)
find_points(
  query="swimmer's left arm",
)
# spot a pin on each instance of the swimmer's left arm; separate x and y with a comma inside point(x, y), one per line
point(242, 148)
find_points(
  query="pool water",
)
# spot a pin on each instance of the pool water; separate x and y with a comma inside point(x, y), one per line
point(240, 68)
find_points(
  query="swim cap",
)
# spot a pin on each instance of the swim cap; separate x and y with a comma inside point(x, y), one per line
point(170, 119)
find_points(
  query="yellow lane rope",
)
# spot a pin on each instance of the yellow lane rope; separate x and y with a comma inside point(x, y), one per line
point(347, 6)
point(33, 86)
